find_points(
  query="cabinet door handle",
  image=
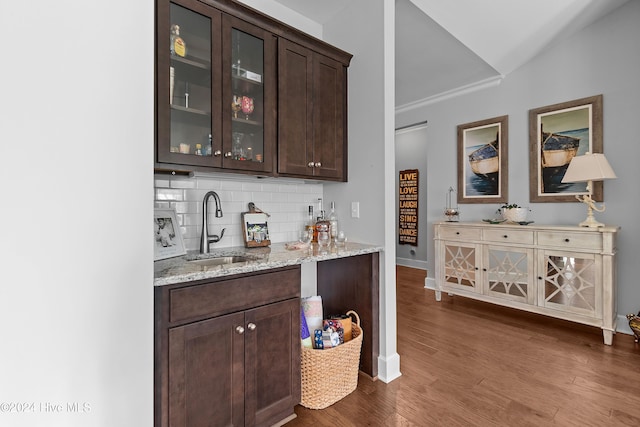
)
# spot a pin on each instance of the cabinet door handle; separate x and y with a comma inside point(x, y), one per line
point(228, 154)
point(217, 153)
point(506, 236)
point(239, 330)
point(252, 326)
point(477, 269)
point(318, 164)
point(484, 269)
point(457, 233)
point(539, 277)
point(310, 164)
point(566, 240)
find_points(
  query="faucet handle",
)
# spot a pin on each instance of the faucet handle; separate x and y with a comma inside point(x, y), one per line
point(215, 238)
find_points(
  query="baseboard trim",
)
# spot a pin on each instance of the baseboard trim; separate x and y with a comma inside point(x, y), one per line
point(413, 263)
point(389, 368)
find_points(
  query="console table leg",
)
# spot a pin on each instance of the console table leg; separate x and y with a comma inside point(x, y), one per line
point(608, 336)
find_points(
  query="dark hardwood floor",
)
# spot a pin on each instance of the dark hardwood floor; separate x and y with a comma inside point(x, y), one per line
point(468, 363)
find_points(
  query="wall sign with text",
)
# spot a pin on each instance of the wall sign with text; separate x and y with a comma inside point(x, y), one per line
point(408, 207)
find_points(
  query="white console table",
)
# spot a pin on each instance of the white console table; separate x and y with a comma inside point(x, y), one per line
point(560, 271)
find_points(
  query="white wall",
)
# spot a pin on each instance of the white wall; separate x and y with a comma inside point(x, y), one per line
point(284, 14)
point(601, 59)
point(411, 153)
point(76, 133)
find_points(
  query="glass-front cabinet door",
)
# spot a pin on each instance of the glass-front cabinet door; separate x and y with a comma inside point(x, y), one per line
point(189, 128)
point(248, 93)
point(215, 94)
point(509, 273)
point(460, 269)
point(571, 282)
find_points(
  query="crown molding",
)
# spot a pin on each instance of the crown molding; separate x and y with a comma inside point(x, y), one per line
point(462, 90)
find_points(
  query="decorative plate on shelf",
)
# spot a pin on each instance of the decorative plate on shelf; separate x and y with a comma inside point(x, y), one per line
point(494, 220)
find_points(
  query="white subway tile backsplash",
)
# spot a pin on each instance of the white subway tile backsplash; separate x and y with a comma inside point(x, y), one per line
point(259, 198)
point(170, 194)
point(270, 187)
point(162, 183)
point(279, 197)
point(251, 186)
point(230, 185)
point(182, 183)
point(287, 202)
point(184, 207)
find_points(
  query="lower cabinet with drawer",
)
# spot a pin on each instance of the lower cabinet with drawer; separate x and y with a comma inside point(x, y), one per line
point(560, 271)
point(227, 350)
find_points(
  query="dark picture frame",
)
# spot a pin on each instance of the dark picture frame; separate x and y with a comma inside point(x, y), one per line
point(255, 229)
point(557, 133)
point(483, 170)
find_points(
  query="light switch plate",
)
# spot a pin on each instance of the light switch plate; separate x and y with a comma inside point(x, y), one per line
point(355, 209)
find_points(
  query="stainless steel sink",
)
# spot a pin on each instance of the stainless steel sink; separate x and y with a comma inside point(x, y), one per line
point(222, 260)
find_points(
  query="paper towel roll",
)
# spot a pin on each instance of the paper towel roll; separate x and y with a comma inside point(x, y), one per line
point(305, 336)
point(312, 308)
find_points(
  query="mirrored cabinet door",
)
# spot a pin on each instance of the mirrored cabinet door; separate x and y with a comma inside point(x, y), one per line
point(460, 266)
point(188, 75)
point(572, 282)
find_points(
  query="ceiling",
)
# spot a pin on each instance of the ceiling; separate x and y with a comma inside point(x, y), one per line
point(444, 46)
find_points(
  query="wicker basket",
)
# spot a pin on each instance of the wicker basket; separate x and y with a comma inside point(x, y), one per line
point(329, 375)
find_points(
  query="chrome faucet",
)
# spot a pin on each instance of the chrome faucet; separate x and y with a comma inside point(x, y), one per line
point(206, 239)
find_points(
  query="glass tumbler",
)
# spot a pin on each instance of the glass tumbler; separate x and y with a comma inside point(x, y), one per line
point(323, 239)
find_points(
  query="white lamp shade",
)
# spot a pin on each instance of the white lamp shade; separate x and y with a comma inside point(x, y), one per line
point(589, 167)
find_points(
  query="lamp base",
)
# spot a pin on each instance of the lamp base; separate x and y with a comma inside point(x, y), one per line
point(591, 206)
point(591, 223)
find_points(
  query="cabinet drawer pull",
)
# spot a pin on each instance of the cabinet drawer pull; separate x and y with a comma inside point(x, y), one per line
point(217, 153)
point(457, 233)
point(310, 164)
point(251, 326)
point(239, 330)
point(566, 240)
point(506, 236)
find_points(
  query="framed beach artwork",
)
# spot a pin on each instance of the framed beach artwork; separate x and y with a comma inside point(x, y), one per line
point(558, 133)
point(483, 161)
point(167, 238)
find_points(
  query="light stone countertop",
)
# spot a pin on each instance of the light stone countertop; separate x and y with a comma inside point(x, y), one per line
point(181, 270)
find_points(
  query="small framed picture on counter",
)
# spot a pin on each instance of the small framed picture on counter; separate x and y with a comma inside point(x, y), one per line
point(167, 238)
point(256, 229)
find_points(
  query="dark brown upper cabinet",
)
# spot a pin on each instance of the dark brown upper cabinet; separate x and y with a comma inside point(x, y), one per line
point(312, 114)
point(238, 91)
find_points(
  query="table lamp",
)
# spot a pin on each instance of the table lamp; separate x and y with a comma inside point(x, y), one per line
point(588, 168)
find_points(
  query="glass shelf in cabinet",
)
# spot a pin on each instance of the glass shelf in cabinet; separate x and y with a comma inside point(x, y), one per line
point(190, 110)
point(197, 63)
point(243, 121)
point(253, 81)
